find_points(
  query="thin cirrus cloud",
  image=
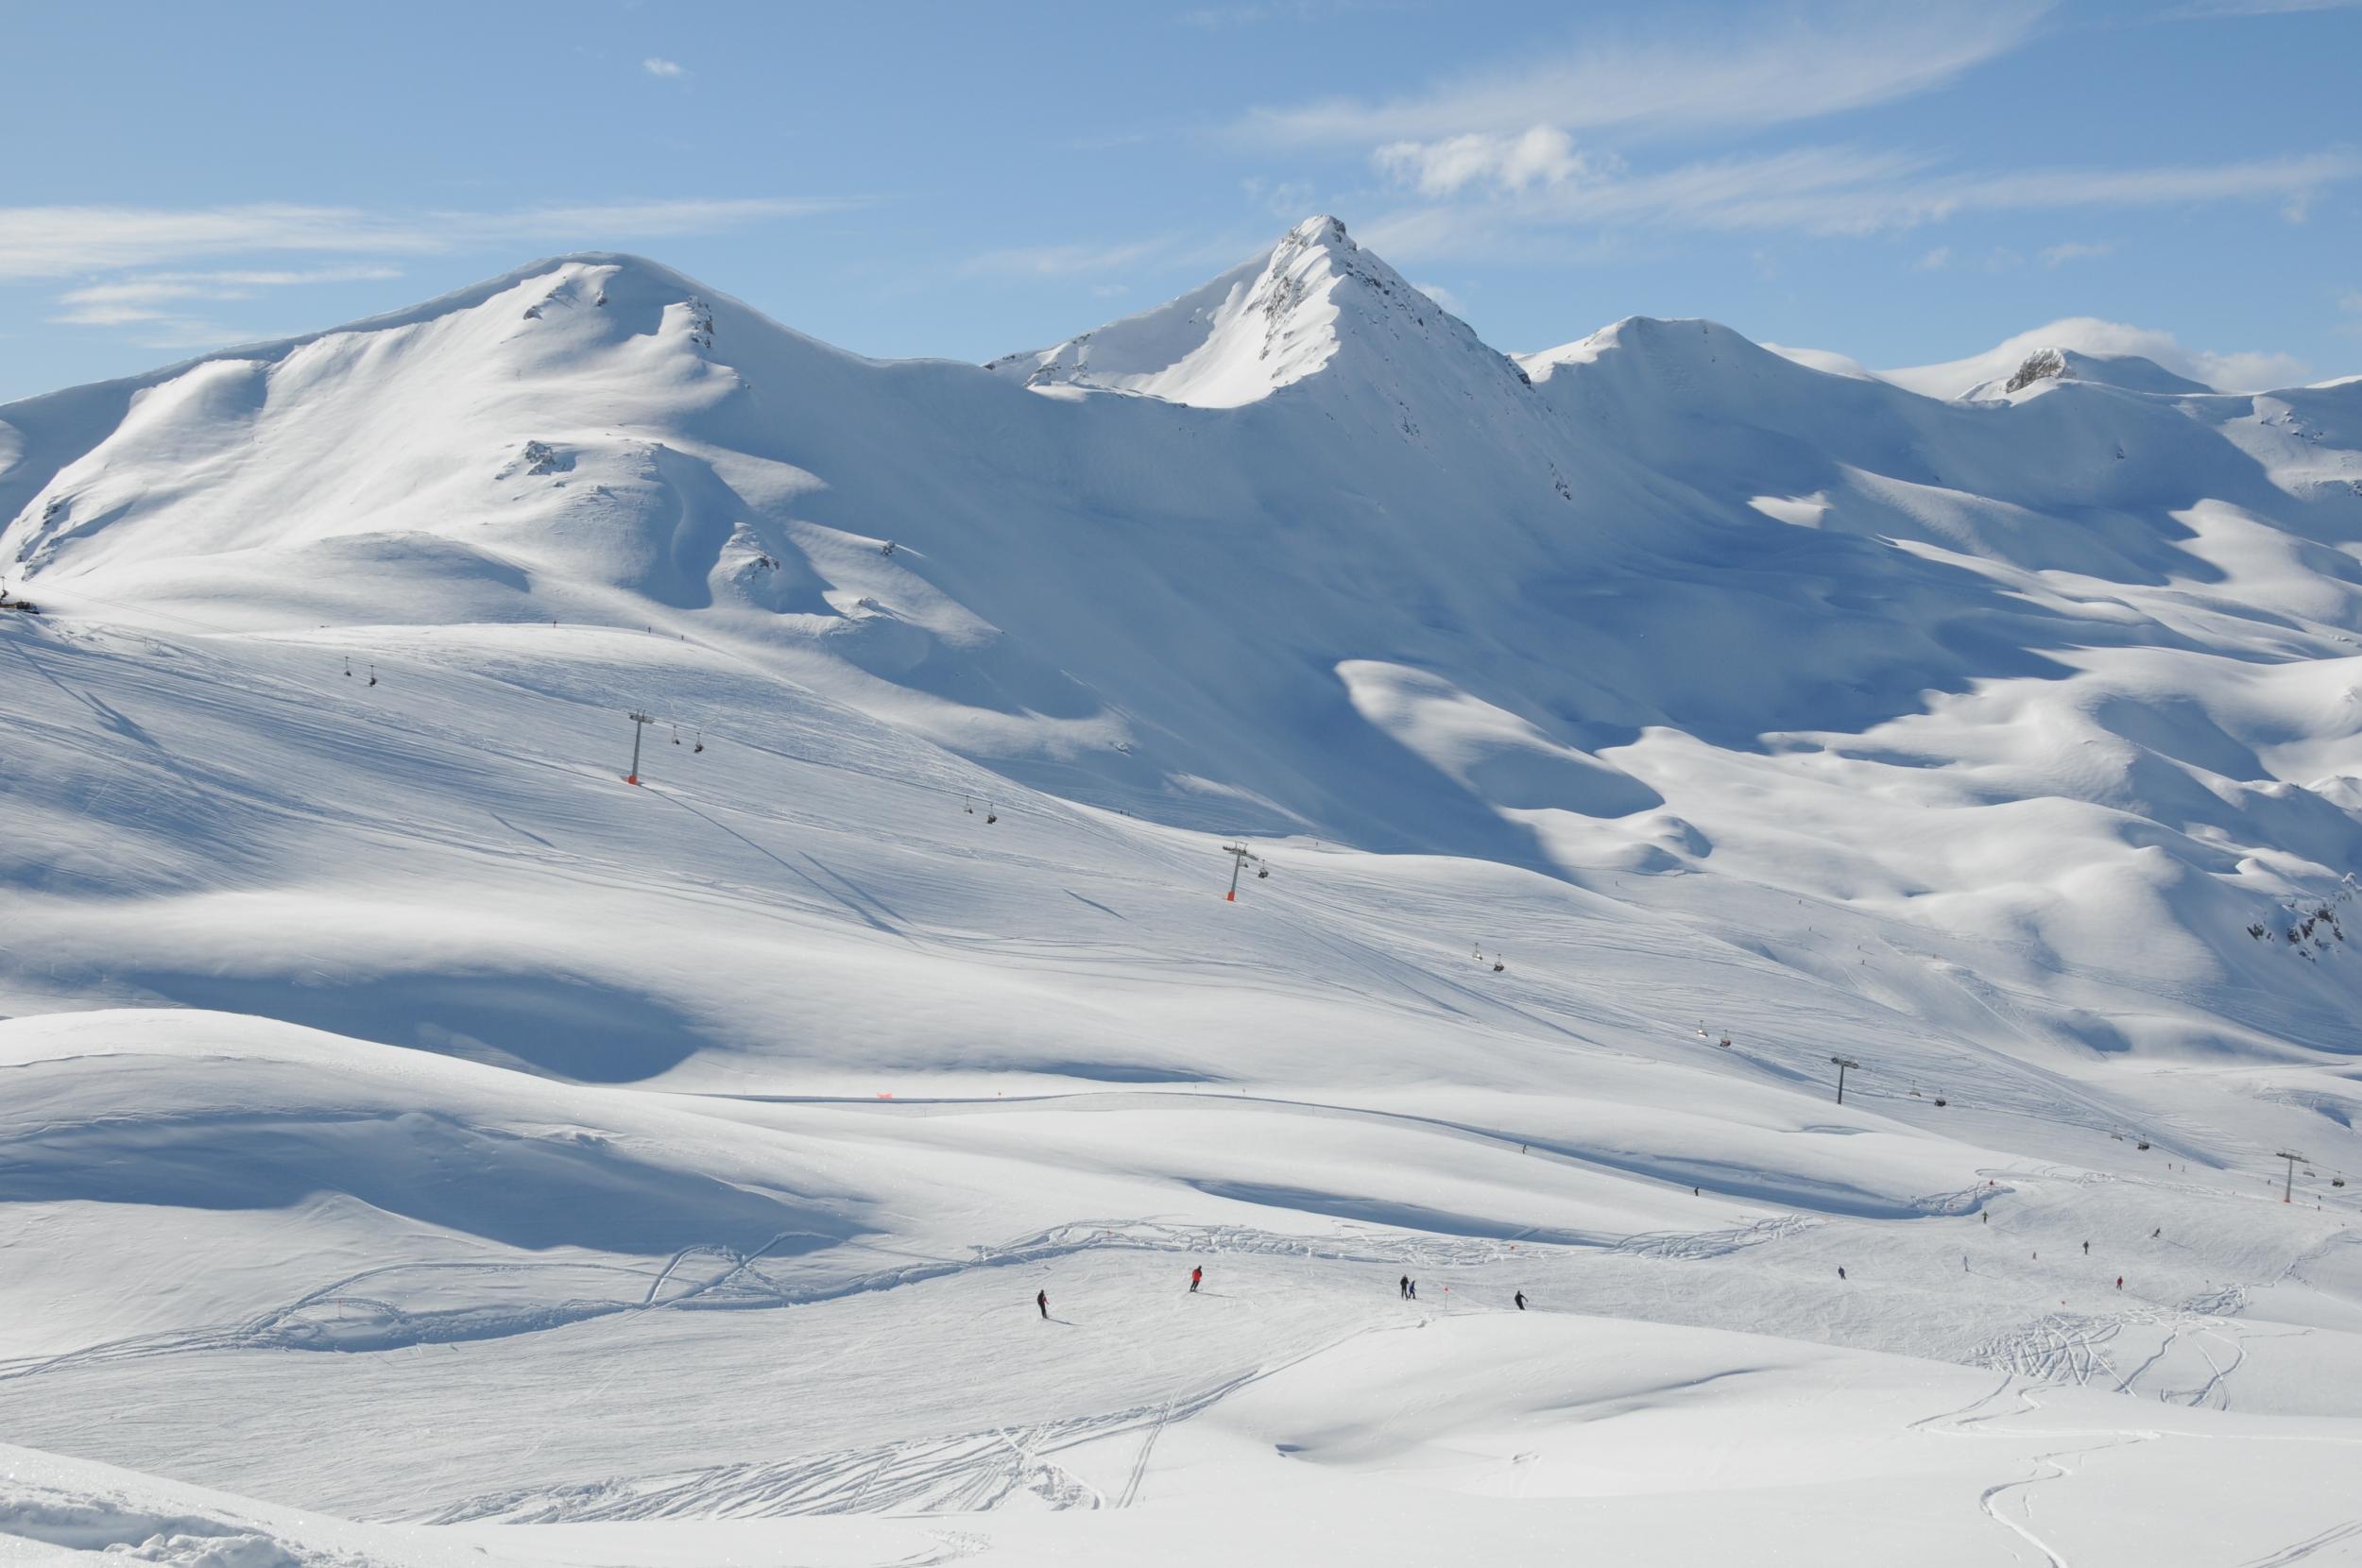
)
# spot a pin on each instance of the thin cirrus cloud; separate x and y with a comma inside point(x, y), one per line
point(1843, 60)
point(657, 66)
point(1844, 190)
point(1059, 261)
point(160, 295)
point(67, 242)
point(1540, 155)
point(2074, 250)
point(2202, 10)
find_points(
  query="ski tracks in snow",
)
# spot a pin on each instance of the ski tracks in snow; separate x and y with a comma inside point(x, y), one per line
point(968, 1472)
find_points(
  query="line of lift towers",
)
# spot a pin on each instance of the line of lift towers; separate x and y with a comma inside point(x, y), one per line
point(1241, 856)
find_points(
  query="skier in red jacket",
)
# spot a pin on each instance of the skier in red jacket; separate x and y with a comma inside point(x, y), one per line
point(1195, 1275)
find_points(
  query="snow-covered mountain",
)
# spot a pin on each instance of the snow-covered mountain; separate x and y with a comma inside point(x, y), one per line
point(2080, 348)
point(1629, 728)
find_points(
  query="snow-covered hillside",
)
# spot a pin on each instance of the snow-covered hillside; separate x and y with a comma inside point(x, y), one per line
point(413, 1122)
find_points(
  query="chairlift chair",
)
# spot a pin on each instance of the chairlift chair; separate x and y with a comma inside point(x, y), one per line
point(701, 741)
point(2143, 1144)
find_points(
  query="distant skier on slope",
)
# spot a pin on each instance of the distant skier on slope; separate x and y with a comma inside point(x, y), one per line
point(1195, 1275)
point(1402, 1287)
point(1840, 1270)
point(1415, 1289)
point(1521, 1300)
point(1041, 1299)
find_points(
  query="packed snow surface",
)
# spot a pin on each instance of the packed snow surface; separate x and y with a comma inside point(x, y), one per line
point(425, 1146)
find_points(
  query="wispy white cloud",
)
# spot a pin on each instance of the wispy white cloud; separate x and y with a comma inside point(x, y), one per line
point(657, 66)
point(1441, 294)
point(142, 298)
point(1290, 200)
point(2074, 250)
point(2244, 370)
point(1252, 13)
point(1060, 261)
point(64, 242)
point(1539, 155)
point(1944, 258)
point(2207, 10)
point(1779, 72)
point(1838, 191)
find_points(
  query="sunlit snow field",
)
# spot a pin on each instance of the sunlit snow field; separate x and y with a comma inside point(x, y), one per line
point(422, 1146)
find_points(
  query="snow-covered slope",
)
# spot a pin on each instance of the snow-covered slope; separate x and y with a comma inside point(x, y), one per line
point(1628, 730)
point(2080, 348)
point(1315, 301)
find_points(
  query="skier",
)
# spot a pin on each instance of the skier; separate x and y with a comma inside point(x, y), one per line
point(2119, 1282)
point(1840, 1270)
point(1986, 1218)
point(1521, 1300)
point(1963, 1263)
point(1195, 1275)
point(2087, 1248)
point(2155, 1234)
point(1414, 1290)
point(1041, 1299)
point(1402, 1287)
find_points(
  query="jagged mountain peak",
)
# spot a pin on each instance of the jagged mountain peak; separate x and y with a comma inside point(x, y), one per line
point(1272, 321)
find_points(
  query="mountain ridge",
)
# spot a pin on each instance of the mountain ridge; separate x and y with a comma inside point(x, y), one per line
point(1412, 594)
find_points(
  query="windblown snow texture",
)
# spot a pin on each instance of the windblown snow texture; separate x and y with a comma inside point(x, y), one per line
point(410, 1121)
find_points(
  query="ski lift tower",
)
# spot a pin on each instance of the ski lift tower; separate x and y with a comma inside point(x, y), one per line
point(1843, 1065)
point(640, 723)
point(2288, 1187)
point(1240, 854)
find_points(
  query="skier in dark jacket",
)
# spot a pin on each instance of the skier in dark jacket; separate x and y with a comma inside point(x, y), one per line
point(1521, 1300)
point(1403, 1286)
point(1041, 1299)
point(1195, 1275)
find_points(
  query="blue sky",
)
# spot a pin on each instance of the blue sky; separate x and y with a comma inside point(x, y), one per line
point(1900, 183)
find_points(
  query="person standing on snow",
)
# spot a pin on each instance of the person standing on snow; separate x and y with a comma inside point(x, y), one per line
point(1195, 1275)
point(1414, 1290)
point(1521, 1300)
point(1041, 1299)
point(1840, 1270)
point(1402, 1287)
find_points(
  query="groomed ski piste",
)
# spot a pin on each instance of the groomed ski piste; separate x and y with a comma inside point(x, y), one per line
point(421, 1145)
